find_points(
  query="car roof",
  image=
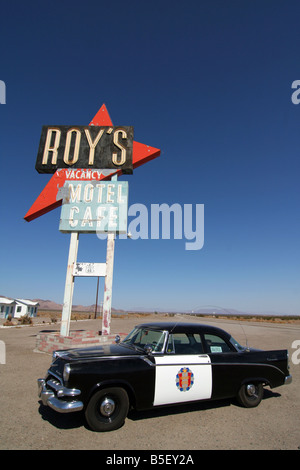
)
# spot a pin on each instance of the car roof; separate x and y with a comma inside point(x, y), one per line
point(185, 327)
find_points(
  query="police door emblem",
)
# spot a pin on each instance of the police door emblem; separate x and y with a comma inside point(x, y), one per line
point(184, 379)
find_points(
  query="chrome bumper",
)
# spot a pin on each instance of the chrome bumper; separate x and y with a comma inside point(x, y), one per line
point(288, 380)
point(52, 396)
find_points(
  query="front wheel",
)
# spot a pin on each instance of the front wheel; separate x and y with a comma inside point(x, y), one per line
point(250, 395)
point(107, 409)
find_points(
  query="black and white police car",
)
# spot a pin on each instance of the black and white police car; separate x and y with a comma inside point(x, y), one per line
point(159, 364)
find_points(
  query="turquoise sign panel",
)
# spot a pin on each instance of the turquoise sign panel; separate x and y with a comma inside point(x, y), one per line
point(94, 207)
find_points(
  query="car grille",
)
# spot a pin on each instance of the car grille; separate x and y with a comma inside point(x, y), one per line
point(57, 367)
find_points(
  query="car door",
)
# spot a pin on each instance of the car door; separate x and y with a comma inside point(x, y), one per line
point(183, 373)
point(227, 366)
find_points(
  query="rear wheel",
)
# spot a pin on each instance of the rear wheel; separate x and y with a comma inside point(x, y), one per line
point(250, 395)
point(107, 409)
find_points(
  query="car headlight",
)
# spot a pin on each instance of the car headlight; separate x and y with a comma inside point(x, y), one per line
point(66, 372)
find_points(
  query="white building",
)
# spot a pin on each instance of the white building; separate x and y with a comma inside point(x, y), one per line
point(25, 307)
point(17, 308)
point(7, 307)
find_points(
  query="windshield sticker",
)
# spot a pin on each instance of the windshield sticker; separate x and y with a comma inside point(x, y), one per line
point(215, 349)
point(184, 379)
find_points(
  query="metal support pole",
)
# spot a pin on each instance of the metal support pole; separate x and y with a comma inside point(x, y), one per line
point(69, 286)
point(110, 252)
point(106, 316)
point(96, 306)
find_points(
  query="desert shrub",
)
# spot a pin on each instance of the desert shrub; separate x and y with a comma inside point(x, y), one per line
point(8, 322)
point(25, 320)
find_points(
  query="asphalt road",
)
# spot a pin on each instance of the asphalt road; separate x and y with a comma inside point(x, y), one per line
point(26, 424)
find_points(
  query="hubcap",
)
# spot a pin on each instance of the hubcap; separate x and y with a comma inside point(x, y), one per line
point(251, 390)
point(107, 407)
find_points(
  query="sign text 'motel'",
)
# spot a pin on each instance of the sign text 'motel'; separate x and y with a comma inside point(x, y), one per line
point(85, 147)
point(94, 207)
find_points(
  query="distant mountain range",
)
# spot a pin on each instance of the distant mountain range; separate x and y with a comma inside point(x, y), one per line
point(219, 311)
point(50, 305)
point(204, 310)
point(209, 310)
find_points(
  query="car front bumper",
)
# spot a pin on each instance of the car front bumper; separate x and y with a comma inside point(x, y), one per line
point(288, 379)
point(53, 393)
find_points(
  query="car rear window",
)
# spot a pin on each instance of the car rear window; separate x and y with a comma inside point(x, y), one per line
point(216, 344)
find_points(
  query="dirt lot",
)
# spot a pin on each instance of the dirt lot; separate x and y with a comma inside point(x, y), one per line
point(26, 424)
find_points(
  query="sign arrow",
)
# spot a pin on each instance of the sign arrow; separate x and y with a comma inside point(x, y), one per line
point(52, 195)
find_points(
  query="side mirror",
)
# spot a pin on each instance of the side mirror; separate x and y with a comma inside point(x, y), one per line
point(117, 339)
point(148, 349)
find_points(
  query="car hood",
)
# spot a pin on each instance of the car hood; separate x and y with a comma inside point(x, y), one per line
point(98, 352)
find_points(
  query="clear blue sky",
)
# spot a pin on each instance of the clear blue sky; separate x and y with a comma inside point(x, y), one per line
point(209, 83)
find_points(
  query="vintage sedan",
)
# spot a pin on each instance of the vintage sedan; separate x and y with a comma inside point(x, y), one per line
point(159, 364)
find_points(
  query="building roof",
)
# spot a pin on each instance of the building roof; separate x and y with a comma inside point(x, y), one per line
point(27, 302)
point(6, 301)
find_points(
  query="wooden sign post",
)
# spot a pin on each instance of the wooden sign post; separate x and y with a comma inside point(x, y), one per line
point(107, 302)
point(70, 278)
point(69, 285)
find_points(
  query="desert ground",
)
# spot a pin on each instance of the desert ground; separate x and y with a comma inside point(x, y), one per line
point(27, 425)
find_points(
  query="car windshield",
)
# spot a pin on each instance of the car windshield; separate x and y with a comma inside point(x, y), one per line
point(141, 337)
point(236, 344)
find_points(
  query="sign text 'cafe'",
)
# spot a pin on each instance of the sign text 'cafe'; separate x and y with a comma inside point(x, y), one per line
point(94, 206)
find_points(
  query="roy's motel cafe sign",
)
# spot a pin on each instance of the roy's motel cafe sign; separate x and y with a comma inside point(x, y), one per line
point(92, 206)
point(85, 147)
point(97, 152)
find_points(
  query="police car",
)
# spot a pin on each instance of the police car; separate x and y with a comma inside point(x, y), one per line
point(159, 364)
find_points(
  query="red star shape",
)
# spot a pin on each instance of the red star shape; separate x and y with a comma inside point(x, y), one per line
point(49, 198)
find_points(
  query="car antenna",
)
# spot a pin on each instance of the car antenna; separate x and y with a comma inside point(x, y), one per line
point(247, 347)
point(228, 312)
point(175, 324)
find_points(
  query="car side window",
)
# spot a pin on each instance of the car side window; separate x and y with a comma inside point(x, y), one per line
point(152, 337)
point(184, 343)
point(216, 344)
